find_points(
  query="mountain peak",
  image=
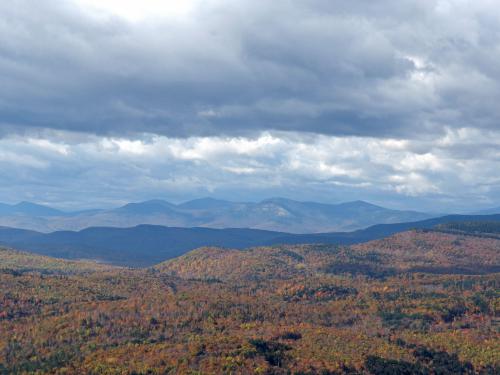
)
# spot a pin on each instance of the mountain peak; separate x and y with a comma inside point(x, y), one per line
point(35, 209)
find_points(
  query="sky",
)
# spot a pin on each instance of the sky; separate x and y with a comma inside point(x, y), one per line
point(395, 102)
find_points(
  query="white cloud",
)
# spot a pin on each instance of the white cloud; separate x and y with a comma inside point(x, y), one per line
point(120, 169)
point(45, 144)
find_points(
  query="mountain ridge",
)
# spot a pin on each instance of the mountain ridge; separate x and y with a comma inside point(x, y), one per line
point(29, 208)
point(276, 214)
point(488, 211)
point(145, 245)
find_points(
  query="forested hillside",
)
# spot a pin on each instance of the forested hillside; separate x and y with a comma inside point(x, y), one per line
point(147, 245)
point(472, 227)
point(19, 261)
point(414, 303)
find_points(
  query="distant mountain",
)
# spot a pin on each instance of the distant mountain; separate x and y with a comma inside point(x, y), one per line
point(206, 204)
point(145, 245)
point(488, 211)
point(151, 207)
point(309, 217)
point(382, 230)
point(28, 209)
point(276, 214)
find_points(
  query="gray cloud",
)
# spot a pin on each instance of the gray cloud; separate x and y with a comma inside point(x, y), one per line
point(394, 101)
point(440, 174)
point(401, 69)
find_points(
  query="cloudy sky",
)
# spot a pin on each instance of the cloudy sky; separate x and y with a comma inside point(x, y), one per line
point(394, 102)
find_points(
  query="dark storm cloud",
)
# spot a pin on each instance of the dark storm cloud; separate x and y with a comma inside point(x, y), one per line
point(385, 69)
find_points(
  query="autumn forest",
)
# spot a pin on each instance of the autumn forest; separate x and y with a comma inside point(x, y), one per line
point(418, 302)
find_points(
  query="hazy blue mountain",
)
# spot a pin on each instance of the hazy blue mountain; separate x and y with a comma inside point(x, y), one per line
point(207, 204)
point(281, 214)
point(155, 206)
point(28, 209)
point(488, 211)
point(276, 214)
point(380, 230)
point(145, 245)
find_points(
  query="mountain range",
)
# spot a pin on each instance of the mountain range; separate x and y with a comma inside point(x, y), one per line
point(28, 209)
point(276, 214)
point(488, 211)
point(145, 245)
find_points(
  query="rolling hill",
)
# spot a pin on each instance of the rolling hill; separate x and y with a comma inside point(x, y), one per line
point(411, 251)
point(138, 246)
point(417, 302)
point(145, 245)
point(22, 262)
